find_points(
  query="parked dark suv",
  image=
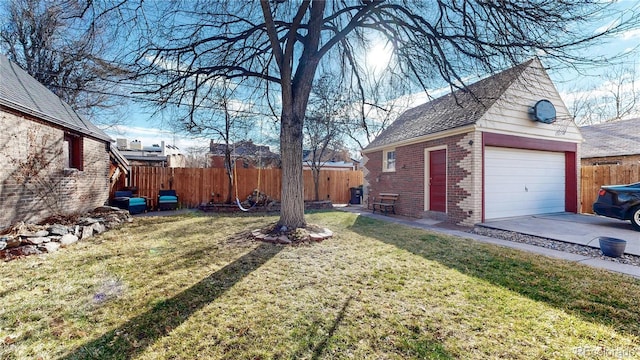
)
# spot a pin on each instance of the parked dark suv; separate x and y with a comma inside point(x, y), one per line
point(620, 202)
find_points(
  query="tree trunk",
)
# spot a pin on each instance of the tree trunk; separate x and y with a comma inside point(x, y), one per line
point(316, 182)
point(228, 165)
point(292, 196)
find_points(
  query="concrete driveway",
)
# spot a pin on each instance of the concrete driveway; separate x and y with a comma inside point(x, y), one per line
point(573, 228)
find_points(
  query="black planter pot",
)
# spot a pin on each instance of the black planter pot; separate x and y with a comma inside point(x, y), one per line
point(612, 247)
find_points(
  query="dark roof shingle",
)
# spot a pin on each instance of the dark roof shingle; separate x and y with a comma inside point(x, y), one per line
point(614, 138)
point(20, 91)
point(460, 108)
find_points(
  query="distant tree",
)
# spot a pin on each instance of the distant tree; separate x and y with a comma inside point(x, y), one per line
point(617, 97)
point(323, 128)
point(197, 156)
point(51, 41)
point(224, 121)
point(278, 46)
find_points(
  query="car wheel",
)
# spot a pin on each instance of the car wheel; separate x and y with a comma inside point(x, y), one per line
point(635, 218)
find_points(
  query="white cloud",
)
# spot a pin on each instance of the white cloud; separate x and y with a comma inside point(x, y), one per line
point(631, 35)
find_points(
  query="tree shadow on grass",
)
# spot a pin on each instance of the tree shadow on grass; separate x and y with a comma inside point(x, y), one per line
point(565, 285)
point(137, 334)
point(414, 344)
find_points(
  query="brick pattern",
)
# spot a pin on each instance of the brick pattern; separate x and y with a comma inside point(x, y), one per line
point(34, 183)
point(470, 206)
point(408, 179)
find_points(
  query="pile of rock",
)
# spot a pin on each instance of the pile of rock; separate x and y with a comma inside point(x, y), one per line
point(285, 236)
point(30, 239)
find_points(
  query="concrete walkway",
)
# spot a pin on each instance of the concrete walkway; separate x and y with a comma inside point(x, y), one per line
point(574, 228)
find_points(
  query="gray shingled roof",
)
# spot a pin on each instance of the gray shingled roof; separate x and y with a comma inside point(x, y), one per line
point(615, 138)
point(460, 108)
point(20, 91)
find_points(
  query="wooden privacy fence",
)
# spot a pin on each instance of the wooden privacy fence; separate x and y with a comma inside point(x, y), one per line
point(194, 186)
point(592, 177)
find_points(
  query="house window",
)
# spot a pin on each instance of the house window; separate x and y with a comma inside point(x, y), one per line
point(72, 152)
point(389, 160)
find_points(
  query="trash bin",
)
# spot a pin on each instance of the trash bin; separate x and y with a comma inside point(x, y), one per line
point(356, 194)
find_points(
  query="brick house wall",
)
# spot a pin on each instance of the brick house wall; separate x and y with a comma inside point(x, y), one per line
point(34, 183)
point(464, 177)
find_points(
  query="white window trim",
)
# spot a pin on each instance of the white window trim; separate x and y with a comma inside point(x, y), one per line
point(385, 163)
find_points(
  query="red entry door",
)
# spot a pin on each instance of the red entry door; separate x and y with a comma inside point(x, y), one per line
point(438, 180)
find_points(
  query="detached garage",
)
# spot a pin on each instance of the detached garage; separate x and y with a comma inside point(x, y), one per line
point(506, 146)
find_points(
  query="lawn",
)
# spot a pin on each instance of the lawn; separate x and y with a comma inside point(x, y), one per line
point(194, 287)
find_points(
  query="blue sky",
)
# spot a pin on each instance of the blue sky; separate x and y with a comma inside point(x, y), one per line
point(146, 128)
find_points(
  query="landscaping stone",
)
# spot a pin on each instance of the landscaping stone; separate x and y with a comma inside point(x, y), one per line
point(327, 232)
point(99, 228)
point(36, 240)
point(87, 232)
point(30, 239)
point(57, 229)
point(51, 246)
point(316, 237)
point(270, 238)
point(68, 239)
point(283, 235)
point(40, 233)
point(88, 221)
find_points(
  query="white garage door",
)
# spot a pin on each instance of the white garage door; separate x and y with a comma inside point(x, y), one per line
point(523, 182)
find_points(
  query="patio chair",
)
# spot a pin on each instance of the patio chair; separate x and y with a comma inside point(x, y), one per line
point(167, 200)
point(125, 200)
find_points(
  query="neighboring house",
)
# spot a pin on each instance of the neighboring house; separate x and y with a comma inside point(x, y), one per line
point(505, 146)
point(331, 165)
point(54, 162)
point(334, 160)
point(611, 143)
point(245, 153)
point(158, 155)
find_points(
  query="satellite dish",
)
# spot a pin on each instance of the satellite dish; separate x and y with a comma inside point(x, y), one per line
point(544, 112)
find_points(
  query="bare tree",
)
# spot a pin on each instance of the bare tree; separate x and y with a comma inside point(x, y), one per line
point(54, 44)
point(279, 45)
point(617, 97)
point(225, 120)
point(323, 127)
point(197, 157)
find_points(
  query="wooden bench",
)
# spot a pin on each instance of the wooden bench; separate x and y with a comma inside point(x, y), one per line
point(385, 202)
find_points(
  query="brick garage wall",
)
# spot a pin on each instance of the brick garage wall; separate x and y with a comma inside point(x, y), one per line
point(408, 179)
point(34, 184)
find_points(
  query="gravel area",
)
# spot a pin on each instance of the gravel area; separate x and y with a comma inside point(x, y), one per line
point(555, 245)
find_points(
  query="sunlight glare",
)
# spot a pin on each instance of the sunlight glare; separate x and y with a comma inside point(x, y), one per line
point(379, 56)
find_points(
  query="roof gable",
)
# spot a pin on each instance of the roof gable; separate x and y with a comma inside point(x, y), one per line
point(616, 138)
point(21, 92)
point(460, 108)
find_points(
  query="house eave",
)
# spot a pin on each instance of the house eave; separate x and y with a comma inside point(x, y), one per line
point(25, 110)
point(423, 138)
point(538, 137)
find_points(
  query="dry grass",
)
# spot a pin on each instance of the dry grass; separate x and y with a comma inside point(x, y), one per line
point(191, 288)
